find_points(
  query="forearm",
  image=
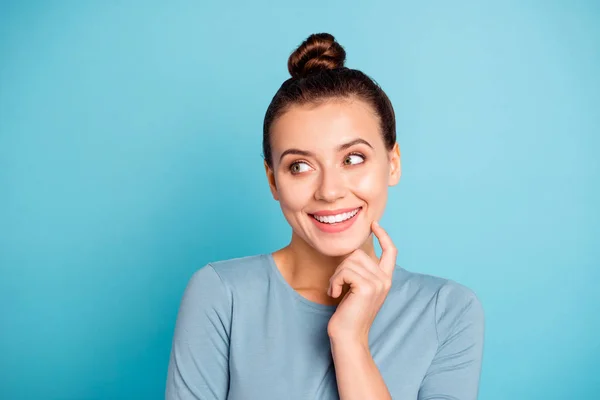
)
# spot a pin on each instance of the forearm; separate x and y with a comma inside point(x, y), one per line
point(358, 377)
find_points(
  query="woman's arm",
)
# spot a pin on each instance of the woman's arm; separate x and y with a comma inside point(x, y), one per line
point(358, 377)
point(455, 369)
point(199, 364)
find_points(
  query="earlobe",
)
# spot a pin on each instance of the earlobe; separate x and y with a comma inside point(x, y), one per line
point(271, 180)
point(395, 165)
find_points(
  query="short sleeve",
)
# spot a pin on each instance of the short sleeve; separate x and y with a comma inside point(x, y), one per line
point(456, 368)
point(199, 360)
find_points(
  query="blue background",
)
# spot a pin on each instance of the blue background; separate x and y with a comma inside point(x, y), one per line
point(130, 156)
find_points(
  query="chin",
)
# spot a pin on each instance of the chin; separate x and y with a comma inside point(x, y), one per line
point(338, 248)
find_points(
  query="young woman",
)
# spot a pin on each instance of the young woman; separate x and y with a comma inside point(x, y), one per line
point(324, 317)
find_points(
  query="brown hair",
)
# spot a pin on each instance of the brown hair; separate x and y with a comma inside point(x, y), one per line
point(319, 75)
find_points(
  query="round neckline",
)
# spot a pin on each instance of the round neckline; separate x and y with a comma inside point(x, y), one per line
point(303, 300)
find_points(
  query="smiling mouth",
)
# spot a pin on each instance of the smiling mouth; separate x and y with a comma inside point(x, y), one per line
point(336, 219)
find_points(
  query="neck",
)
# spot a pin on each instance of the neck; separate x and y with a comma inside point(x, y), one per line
point(308, 270)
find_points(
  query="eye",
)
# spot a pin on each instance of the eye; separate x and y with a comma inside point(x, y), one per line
point(354, 158)
point(296, 167)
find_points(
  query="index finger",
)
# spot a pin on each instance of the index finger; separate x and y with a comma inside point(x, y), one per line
point(387, 261)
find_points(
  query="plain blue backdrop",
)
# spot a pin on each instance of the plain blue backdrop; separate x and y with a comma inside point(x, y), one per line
point(130, 156)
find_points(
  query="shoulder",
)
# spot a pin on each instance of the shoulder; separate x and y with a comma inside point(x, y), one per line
point(227, 274)
point(241, 269)
point(239, 265)
point(446, 292)
point(452, 302)
point(213, 285)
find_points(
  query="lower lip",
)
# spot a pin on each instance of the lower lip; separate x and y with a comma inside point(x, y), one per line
point(338, 226)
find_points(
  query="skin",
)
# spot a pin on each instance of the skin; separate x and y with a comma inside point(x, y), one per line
point(337, 268)
point(326, 180)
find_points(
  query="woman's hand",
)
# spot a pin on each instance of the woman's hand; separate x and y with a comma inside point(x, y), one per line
point(369, 283)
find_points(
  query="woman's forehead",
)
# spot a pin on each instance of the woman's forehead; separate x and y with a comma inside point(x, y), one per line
point(325, 125)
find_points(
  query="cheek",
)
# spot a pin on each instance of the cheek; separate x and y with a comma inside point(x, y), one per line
point(371, 185)
point(293, 195)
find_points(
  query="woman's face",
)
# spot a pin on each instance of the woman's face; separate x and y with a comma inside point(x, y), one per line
point(331, 172)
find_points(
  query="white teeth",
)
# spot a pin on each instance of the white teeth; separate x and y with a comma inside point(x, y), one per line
point(330, 219)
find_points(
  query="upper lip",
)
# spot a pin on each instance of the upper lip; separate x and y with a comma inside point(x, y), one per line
point(324, 213)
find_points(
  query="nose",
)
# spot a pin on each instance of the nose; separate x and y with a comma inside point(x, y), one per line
point(331, 186)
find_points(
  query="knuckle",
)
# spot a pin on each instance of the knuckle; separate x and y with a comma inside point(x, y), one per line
point(387, 284)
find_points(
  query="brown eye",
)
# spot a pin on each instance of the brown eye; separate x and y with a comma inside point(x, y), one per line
point(296, 168)
point(354, 159)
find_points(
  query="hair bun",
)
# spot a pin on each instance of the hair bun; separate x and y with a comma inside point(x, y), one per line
point(318, 52)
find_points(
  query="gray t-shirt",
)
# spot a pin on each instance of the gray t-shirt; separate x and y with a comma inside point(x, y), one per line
point(243, 332)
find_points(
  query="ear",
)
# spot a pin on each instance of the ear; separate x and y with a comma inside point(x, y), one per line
point(395, 165)
point(271, 180)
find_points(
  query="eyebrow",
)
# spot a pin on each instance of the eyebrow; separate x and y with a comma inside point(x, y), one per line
point(309, 154)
